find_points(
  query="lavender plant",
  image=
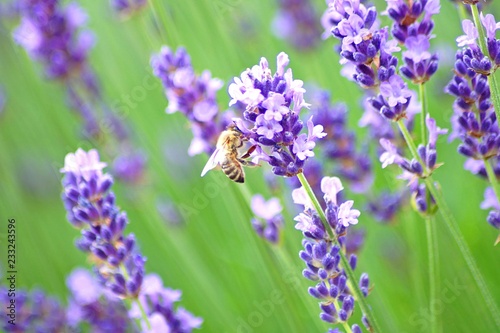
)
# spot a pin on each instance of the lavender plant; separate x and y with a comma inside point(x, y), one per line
point(271, 123)
point(372, 64)
point(474, 120)
point(55, 35)
point(322, 255)
point(118, 263)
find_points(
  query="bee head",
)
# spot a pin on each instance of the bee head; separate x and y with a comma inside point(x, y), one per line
point(233, 127)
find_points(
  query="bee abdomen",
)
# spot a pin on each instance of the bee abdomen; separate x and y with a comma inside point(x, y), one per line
point(234, 172)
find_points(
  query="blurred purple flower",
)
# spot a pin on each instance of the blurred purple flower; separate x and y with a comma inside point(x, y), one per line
point(92, 305)
point(192, 95)
point(130, 166)
point(54, 35)
point(268, 220)
point(297, 23)
point(33, 312)
point(127, 8)
point(158, 303)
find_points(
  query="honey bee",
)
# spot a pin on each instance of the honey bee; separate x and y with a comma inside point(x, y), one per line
point(227, 156)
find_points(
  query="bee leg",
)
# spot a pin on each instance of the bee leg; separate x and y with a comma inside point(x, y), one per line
point(249, 152)
point(248, 163)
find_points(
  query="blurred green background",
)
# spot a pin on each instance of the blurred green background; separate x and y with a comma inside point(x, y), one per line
point(228, 275)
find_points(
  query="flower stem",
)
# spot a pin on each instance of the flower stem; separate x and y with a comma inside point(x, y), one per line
point(455, 231)
point(432, 249)
point(423, 100)
point(432, 252)
point(358, 295)
point(492, 79)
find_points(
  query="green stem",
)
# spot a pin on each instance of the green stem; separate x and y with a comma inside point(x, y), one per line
point(423, 99)
point(492, 79)
point(436, 267)
point(410, 143)
point(480, 29)
point(433, 265)
point(432, 249)
point(358, 295)
point(455, 231)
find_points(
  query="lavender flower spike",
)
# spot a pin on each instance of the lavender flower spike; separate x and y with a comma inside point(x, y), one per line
point(413, 170)
point(322, 257)
point(272, 106)
point(268, 220)
point(193, 95)
point(158, 303)
point(91, 208)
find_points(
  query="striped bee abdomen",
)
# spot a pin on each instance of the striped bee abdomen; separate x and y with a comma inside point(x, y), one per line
point(233, 171)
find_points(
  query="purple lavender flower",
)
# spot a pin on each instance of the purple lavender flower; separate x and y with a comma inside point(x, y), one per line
point(53, 35)
point(194, 96)
point(34, 312)
point(385, 206)
point(473, 57)
point(271, 117)
point(393, 99)
point(413, 170)
point(296, 22)
point(158, 303)
point(268, 220)
point(474, 121)
point(130, 166)
point(91, 208)
point(322, 257)
point(92, 305)
point(420, 65)
point(340, 144)
point(412, 18)
point(491, 202)
point(127, 8)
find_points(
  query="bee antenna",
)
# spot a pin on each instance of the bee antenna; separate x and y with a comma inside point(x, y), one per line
point(234, 127)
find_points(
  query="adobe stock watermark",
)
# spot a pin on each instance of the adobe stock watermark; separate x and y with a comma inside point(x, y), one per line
point(264, 309)
point(450, 291)
point(202, 198)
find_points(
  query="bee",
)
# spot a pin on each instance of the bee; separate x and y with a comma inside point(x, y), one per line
point(227, 156)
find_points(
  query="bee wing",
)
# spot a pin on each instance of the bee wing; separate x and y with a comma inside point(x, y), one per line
point(213, 161)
